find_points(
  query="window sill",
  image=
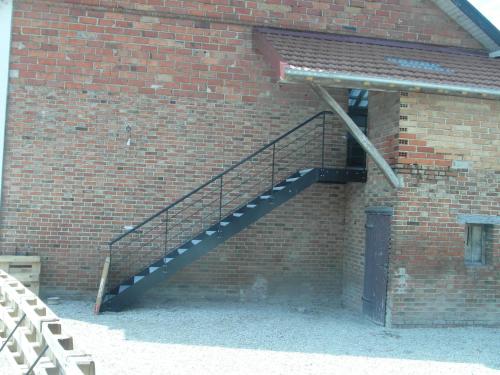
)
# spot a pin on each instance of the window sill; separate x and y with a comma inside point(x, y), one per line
point(475, 265)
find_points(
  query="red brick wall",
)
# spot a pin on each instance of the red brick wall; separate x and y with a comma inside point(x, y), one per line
point(440, 129)
point(292, 254)
point(354, 246)
point(383, 122)
point(194, 107)
point(77, 48)
point(417, 20)
point(430, 283)
point(198, 98)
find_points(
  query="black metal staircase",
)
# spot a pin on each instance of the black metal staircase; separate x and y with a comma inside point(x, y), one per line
point(187, 229)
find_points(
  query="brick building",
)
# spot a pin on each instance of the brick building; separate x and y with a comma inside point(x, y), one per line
point(117, 108)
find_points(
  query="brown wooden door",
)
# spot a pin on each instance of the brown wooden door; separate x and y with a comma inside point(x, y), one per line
point(378, 236)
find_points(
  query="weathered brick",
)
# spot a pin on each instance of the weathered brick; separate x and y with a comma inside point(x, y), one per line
point(198, 98)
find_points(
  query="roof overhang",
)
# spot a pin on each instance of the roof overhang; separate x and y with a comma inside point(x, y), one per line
point(331, 79)
point(463, 13)
point(333, 60)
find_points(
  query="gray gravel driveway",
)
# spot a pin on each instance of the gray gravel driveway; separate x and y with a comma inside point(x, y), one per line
point(234, 338)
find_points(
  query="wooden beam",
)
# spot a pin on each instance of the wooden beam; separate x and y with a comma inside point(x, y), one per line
point(25, 269)
point(363, 141)
point(102, 286)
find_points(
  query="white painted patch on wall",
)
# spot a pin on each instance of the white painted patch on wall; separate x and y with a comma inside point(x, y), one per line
point(461, 164)
point(401, 281)
point(5, 33)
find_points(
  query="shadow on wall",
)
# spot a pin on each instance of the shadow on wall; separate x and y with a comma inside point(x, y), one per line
point(311, 330)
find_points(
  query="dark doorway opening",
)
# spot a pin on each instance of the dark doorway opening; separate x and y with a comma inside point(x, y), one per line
point(358, 111)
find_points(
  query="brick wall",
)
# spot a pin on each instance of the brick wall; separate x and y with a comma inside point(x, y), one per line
point(197, 98)
point(383, 128)
point(194, 108)
point(354, 247)
point(438, 129)
point(417, 20)
point(63, 45)
point(293, 254)
point(430, 283)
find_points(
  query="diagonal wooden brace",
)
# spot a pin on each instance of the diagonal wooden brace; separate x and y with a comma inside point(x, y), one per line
point(363, 141)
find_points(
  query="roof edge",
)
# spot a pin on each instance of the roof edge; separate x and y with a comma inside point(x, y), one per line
point(381, 83)
point(479, 19)
point(349, 38)
point(471, 20)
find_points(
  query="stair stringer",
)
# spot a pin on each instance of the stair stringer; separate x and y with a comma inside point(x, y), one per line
point(129, 296)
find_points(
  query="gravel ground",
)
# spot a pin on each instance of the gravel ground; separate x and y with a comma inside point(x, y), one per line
point(232, 338)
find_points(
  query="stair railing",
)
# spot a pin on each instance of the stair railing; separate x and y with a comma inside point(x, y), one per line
point(305, 146)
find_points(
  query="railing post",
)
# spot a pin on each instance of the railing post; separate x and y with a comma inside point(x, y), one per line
point(110, 253)
point(272, 170)
point(323, 144)
point(220, 203)
point(166, 232)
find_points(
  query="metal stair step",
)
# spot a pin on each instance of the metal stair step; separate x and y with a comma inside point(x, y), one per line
point(123, 288)
point(138, 278)
point(134, 281)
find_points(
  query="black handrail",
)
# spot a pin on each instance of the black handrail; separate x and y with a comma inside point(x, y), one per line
point(220, 175)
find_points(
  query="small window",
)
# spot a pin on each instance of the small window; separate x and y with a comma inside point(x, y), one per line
point(475, 244)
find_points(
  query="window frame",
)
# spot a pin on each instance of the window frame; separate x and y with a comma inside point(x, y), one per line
point(468, 252)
